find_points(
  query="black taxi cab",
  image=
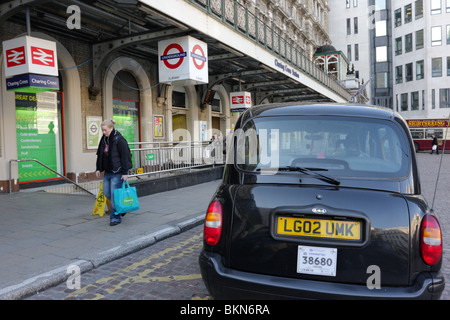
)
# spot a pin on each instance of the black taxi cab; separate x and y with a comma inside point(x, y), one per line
point(321, 201)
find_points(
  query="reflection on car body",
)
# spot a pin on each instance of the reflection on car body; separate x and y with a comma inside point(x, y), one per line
point(314, 197)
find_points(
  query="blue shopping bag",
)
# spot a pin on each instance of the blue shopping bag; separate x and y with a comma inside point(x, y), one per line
point(126, 199)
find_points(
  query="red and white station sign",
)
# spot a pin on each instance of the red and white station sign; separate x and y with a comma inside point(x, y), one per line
point(183, 61)
point(30, 55)
point(240, 101)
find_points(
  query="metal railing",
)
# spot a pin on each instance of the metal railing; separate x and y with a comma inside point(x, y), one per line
point(242, 20)
point(157, 157)
point(47, 167)
point(149, 159)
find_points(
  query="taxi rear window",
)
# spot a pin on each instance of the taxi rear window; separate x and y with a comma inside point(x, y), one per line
point(341, 146)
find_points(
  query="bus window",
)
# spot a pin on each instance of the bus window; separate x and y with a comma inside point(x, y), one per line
point(417, 133)
point(437, 132)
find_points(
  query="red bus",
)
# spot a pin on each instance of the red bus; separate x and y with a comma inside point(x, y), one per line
point(423, 129)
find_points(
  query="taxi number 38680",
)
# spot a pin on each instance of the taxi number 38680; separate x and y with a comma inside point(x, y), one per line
point(317, 260)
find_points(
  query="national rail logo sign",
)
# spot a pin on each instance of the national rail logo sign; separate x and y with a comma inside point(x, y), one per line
point(15, 57)
point(43, 57)
point(240, 101)
point(183, 61)
point(30, 55)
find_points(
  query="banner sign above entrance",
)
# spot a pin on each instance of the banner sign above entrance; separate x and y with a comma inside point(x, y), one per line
point(32, 83)
point(183, 61)
point(30, 55)
point(240, 101)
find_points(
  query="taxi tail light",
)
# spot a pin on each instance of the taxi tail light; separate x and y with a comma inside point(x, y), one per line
point(430, 240)
point(213, 223)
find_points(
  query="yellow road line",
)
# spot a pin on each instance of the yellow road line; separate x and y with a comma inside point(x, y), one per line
point(192, 244)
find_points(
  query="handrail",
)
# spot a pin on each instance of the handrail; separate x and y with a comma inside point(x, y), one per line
point(158, 157)
point(37, 161)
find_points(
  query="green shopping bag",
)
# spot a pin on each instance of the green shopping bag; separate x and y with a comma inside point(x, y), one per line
point(126, 199)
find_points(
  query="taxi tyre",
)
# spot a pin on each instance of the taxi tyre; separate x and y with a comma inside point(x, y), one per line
point(223, 283)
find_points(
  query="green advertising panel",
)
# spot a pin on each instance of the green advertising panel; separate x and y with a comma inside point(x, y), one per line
point(38, 135)
point(126, 115)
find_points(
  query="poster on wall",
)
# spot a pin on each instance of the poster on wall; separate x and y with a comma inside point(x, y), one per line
point(93, 132)
point(203, 130)
point(158, 125)
point(38, 135)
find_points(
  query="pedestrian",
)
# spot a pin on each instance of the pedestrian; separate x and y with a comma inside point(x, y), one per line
point(435, 145)
point(113, 158)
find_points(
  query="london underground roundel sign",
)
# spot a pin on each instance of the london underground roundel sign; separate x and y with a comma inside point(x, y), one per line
point(200, 57)
point(183, 61)
point(177, 55)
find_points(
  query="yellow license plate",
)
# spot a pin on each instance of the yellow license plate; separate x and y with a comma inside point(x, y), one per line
point(319, 228)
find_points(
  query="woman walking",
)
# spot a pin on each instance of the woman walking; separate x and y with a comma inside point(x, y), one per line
point(114, 158)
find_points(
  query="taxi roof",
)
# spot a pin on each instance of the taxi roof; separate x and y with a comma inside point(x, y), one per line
point(332, 109)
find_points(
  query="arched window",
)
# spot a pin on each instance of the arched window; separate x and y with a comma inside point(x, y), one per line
point(126, 106)
point(332, 67)
point(320, 63)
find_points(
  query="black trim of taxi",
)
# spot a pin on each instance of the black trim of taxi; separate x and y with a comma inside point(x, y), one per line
point(225, 283)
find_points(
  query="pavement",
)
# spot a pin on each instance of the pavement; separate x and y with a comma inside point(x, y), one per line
point(44, 235)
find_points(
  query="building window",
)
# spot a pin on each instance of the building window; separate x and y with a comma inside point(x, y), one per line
point(382, 80)
point(433, 99)
point(419, 9)
point(399, 74)
point(436, 36)
point(347, 3)
point(332, 67)
point(356, 52)
point(355, 25)
point(320, 63)
point(408, 42)
point(423, 99)
point(415, 100)
point(435, 6)
point(380, 28)
point(398, 17)
point(419, 39)
point(380, 4)
point(355, 3)
point(436, 67)
point(448, 66)
point(408, 72)
point(349, 52)
point(408, 13)
point(179, 98)
point(447, 6)
point(381, 54)
point(419, 70)
point(404, 102)
point(444, 101)
point(349, 27)
point(448, 33)
point(398, 46)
